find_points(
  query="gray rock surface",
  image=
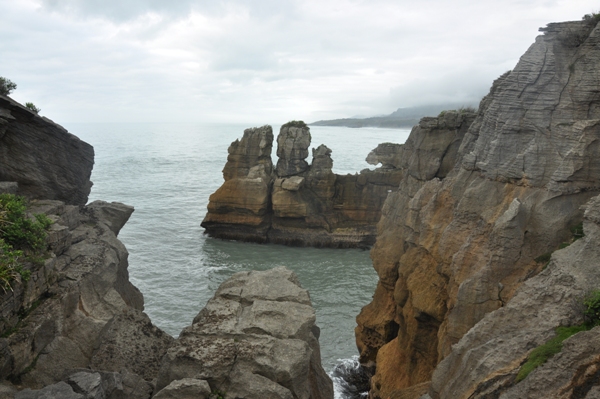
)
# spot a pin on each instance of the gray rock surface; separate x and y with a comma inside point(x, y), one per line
point(78, 309)
point(8, 187)
point(252, 153)
point(292, 150)
point(452, 249)
point(44, 159)
point(60, 390)
point(114, 214)
point(186, 388)
point(254, 339)
point(486, 360)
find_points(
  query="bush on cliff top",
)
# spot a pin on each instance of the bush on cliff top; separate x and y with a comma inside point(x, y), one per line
point(33, 108)
point(295, 124)
point(6, 86)
point(21, 238)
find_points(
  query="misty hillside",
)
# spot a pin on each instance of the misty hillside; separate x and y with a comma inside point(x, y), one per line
point(401, 118)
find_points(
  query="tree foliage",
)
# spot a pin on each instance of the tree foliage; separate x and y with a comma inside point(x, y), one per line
point(6, 86)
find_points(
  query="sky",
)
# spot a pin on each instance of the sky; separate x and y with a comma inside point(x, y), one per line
point(261, 61)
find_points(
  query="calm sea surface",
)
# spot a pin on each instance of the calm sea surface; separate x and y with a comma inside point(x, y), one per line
point(168, 171)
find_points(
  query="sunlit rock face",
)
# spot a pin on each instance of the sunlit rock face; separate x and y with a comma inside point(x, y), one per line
point(450, 251)
point(45, 160)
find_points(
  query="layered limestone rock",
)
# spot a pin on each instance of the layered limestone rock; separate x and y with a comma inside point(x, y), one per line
point(240, 208)
point(78, 309)
point(302, 204)
point(44, 159)
point(485, 362)
point(256, 338)
point(449, 251)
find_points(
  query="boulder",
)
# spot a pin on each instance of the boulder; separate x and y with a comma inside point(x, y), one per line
point(255, 338)
point(44, 159)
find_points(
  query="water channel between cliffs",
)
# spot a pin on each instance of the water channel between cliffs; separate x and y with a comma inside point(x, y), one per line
point(168, 171)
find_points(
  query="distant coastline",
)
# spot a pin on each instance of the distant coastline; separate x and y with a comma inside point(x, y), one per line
point(400, 119)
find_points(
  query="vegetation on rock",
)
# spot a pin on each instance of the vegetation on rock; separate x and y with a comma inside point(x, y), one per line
point(6, 86)
point(21, 238)
point(33, 108)
point(539, 356)
point(295, 124)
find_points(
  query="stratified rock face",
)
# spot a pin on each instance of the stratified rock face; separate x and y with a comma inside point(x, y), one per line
point(292, 150)
point(309, 205)
point(44, 159)
point(485, 362)
point(78, 309)
point(240, 208)
point(256, 338)
point(450, 251)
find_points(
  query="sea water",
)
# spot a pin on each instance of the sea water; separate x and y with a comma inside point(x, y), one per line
point(168, 171)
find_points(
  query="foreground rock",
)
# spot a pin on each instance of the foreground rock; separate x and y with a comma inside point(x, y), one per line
point(44, 159)
point(79, 310)
point(256, 338)
point(309, 205)
point(450, 251)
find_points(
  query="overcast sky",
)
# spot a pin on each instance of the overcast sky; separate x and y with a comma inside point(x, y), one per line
point(261, 61)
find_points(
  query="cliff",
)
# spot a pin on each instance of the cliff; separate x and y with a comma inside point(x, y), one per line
point(44, 159)
point(298, 203)
point(451, 251)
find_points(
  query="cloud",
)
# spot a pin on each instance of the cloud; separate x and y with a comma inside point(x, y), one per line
point(261, 61)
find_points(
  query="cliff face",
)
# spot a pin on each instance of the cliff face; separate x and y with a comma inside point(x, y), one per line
point(307, 204)
point(44, 159)
point(450, 251)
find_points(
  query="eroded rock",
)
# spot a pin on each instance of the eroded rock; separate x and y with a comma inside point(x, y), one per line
point(44, 159)
point(254, 339)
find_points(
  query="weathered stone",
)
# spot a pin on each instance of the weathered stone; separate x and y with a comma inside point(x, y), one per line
point(312, 207)
point(114, 214)
point(254, 339)
point(460, 236)
point(186, 388)
point(60, 390)
point(42, 157)
point(251, 155)
point(8, 187)
point(489, 356)
point(292, 150)
point(77, 292)
point(87, 384)
point(387, 154)
point(130, 341)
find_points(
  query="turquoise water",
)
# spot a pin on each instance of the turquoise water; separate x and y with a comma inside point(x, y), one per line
point(167, 172)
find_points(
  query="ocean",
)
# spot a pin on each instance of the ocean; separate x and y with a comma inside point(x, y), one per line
point(168, 171)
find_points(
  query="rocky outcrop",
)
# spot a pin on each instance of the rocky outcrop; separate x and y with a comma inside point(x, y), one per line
point(450, 251)
point(78, 309)
point(240, 208)
point(44, 159)
point(309, 205)
point(485, 362)
point(256, 338)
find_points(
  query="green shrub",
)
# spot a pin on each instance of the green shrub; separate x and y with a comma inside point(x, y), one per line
point(33, 108)
point(591, 305)
point(295, 124)
point(6, 86)
point(21, 238)
point(216, 394)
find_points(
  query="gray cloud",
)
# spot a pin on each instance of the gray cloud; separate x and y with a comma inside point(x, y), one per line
point(261, 61)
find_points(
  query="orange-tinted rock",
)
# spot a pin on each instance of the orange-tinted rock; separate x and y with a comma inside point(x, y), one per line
point(456, 243)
